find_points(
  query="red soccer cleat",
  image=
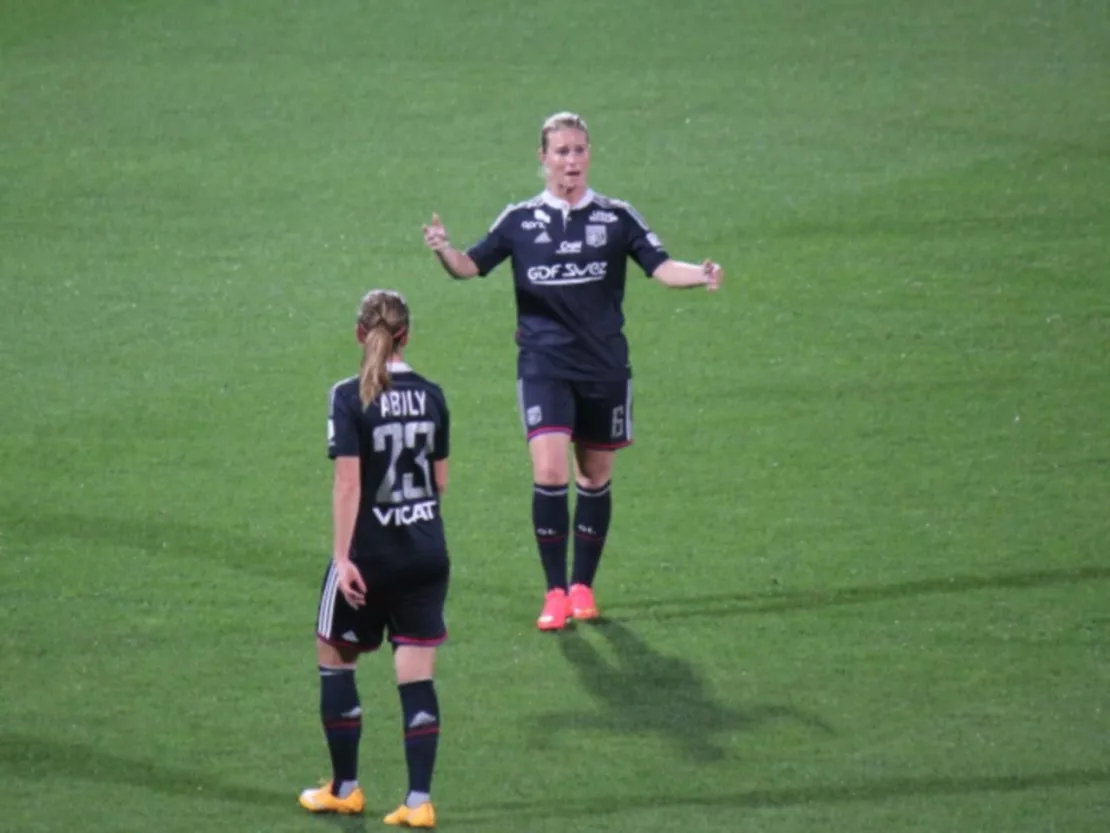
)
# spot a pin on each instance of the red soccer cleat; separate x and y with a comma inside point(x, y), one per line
point(581, 603)
point(555, 609)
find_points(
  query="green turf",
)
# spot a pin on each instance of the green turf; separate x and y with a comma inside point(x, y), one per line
point(858, 574)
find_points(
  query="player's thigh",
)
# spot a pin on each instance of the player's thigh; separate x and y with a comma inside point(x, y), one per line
point(417, 603)
point(344, 628)
point(547, 411)
point(603, 415)
point(593, 467)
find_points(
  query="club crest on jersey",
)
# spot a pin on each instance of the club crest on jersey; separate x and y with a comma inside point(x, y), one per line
point(534, 415)
point(596, 236)
point(603, 217)
point(541, 215)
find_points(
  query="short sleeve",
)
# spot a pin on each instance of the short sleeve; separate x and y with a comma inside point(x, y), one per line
point(342, 425)
point(492, 249)
point(644, 246)
point(443, 433)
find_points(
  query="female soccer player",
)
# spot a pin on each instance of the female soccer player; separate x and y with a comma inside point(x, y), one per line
point(569, 248)
point(388, 433)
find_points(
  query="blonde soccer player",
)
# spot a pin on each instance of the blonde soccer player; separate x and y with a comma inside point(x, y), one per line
point(569, 247)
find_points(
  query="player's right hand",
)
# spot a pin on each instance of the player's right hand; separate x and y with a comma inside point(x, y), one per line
point(351, 583)
point(714, 275)
point(435, 235)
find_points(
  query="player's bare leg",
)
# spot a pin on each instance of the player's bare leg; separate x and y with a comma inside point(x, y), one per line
point(592, 512)
point(551, 521)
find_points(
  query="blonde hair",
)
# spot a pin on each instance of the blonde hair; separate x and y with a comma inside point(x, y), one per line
point(562, 121)
point(383, 327)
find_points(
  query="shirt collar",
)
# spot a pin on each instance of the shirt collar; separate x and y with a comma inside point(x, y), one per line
point(398, 367)
point(552, 201)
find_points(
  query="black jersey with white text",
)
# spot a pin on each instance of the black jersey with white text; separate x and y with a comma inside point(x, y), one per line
point(397, 439)
point(569, 267)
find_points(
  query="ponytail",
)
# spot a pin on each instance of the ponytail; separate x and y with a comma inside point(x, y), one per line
point(373, 376)
point(383, 326)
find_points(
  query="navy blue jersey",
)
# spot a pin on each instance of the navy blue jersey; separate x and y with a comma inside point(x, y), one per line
point(569, 267)
point(396, 440)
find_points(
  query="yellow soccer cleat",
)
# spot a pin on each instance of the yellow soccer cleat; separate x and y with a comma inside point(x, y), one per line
point(422, 816)
point(321, 800)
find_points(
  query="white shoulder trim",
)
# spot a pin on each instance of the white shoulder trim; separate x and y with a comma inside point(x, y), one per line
point(610, 202)
point(513, 206)
point(334, 389)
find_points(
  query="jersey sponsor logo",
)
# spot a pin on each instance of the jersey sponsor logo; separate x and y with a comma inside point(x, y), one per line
point(570, 247)
point(542, 237)
point(603, 217)
point(596, 236)
point(406, 515)
point(534, 415)
point(654, 240)
point(566, 274)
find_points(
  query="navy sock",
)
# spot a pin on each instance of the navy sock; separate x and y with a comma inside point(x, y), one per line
point(551, 520)
point(592, 510)
point(342, 718)
point(420, 708)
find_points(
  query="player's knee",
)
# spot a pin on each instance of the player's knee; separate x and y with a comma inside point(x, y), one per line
point(550, 474)
point(549, 459)
point(549, 469)
point(594, 480)
point(414, 663)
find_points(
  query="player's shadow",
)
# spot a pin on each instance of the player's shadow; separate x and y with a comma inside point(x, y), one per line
point(39, 759)
point(641, 691)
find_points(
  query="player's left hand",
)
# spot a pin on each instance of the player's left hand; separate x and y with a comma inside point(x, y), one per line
point(351, 583)
point(714, 275)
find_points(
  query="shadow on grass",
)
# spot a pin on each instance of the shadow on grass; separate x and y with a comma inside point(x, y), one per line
point(38, 758)
point(739, 604)
point(167, 536)
point(873, 791)
point(645, 692)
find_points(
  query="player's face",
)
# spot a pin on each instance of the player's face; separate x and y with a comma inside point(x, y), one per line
point(566, 161)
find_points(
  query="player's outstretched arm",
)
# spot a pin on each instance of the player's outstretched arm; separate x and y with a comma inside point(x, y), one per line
point(458, 264)
point(679, 275)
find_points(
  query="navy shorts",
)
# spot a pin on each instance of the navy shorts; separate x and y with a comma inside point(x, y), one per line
point(594, 414)
point(404, 603)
